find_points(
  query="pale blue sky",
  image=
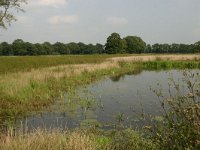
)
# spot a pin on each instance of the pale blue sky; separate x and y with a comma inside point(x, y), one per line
point(92, 21)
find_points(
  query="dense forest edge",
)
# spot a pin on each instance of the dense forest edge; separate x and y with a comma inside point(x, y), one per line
point(114, 45)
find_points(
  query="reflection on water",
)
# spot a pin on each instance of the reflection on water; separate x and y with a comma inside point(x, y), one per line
point(120, 98)
point(117, 77)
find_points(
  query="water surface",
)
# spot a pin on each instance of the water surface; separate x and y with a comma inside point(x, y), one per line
point(105, 101)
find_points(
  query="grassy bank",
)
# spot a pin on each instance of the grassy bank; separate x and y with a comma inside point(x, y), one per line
point(21, 93)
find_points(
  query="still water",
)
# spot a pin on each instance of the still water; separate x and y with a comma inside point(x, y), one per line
point(122, 98)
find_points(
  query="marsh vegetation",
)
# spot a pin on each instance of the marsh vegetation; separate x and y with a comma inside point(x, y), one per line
point(26, 88)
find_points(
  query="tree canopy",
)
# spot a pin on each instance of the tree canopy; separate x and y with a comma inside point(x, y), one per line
point(6, 17)
point(21, 48)
point(129, 44)
point(134, 44)
point(114, 44)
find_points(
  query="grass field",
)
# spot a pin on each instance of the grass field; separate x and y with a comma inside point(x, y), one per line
point(28, 63)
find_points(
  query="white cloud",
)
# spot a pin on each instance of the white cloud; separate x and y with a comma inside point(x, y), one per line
point(69, 19)
point(52, 3)
point(117, 21)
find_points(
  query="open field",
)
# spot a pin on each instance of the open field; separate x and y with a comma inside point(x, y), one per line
point(28, 63)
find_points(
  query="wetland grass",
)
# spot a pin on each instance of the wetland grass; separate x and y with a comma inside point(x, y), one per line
point(49, 140)
point(162, 65)
point(37, 89)
point(33, 88)
point(79, 139)
point(28, 63)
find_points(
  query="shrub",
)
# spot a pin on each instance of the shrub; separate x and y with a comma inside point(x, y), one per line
point(180, 126)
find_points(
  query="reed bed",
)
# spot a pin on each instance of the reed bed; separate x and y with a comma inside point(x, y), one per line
point(79, 139)
point(48, 140)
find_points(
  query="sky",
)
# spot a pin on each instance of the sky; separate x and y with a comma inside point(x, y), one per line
point(92, 21)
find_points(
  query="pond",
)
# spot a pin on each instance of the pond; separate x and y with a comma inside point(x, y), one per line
point(123, 98)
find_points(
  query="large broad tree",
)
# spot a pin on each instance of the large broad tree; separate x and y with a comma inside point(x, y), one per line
point(114, 44)
point(135, 44)
point(6, 11)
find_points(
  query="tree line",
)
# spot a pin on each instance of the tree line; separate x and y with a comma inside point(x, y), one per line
point(21, 48)
point(133, 44)
point(114, 45)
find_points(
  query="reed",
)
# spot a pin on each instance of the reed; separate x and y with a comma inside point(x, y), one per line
point(79, 139)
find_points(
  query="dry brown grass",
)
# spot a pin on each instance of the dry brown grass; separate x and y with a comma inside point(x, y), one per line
point(45, 140)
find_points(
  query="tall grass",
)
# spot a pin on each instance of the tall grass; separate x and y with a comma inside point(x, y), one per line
point(81, 139)
point(27, 63)
point(49, 140)
point(161, 65)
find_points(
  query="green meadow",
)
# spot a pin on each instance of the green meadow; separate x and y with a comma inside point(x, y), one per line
point(27, 63)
